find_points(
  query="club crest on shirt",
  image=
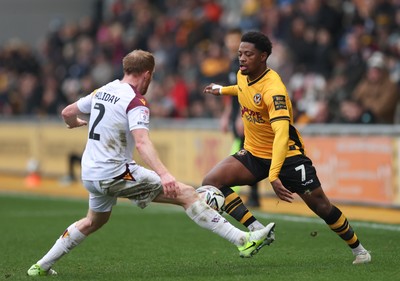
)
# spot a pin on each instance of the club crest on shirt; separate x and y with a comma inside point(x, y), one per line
point(257, 98)
point(279, 102)
point(241, 152)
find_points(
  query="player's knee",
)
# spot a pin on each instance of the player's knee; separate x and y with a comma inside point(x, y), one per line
point(323, 209)
point(211, 179)
point(91, 224)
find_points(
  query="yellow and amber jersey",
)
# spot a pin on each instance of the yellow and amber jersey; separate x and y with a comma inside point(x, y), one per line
point(264, 101)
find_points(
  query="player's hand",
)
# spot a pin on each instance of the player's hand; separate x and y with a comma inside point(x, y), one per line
point(77, 123)
point(212, 89)
point(282, 192)
point(170, 186)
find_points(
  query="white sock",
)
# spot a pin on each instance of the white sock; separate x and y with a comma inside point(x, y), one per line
point(206, 217)
point(256, 225)
point(358, 250)
point(67, 241)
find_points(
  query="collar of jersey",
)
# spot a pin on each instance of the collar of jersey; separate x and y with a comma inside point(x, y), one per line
point(249, 83)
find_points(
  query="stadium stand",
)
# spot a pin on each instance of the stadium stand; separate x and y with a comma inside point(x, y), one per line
point(320, 49)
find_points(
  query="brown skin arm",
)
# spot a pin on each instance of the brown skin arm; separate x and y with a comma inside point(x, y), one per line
point(282, 192)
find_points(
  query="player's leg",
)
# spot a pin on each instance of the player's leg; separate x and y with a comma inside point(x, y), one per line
point(254, 198)
point(71, 237)
point(231, 172)
point(300, 176)
point(206, 217)
point(236, 146)
point(143, 186)
point(100, 207)
point(317, 201)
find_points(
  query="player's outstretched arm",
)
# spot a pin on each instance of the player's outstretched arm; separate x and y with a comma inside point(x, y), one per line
point(70, 116)
point(213, 89)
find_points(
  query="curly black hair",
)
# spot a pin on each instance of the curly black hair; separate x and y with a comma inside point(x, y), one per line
point(260, 41)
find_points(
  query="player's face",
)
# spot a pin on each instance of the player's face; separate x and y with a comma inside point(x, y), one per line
point(252, 61)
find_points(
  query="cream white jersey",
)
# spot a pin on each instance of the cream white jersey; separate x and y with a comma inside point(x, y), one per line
point(115, 110)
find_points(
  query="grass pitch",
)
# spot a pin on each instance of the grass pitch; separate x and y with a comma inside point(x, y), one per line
point(161, 243)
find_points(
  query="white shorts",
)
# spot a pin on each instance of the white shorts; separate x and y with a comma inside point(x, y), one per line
point(139, 185)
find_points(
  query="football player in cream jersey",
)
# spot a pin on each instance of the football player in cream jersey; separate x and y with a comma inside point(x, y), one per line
point(119, 122)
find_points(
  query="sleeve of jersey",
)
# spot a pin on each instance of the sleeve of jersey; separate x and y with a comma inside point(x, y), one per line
point(85, 104)
point(279, 118)
point(229, 90)
point(139, 118)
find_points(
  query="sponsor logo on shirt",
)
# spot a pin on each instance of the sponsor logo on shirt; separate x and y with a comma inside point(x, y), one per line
point(252, 116)
point(279, 102)
point(144, 116)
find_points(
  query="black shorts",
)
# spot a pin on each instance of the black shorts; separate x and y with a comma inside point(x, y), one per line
point(297, 174)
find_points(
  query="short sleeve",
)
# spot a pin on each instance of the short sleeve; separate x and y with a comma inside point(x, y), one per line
point(139, 118)
point(85, 104)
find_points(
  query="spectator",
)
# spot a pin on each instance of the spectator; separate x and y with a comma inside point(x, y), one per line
point(348, 70)
point(350, 112)
point(324, 54)
point(161, 105)
point(177, 90)
point(376, 93)
point(332, 39)
point(215, 64)
point(52, 101)
point(301, 42)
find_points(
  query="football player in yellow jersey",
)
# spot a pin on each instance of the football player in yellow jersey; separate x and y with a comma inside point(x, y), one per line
point(273, 147)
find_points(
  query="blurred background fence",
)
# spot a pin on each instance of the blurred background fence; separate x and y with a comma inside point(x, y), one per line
point(356, 164)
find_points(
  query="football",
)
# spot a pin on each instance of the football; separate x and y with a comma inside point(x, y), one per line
point(213, 197)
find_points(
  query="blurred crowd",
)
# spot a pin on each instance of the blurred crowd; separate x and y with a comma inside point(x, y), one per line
point(340, 60)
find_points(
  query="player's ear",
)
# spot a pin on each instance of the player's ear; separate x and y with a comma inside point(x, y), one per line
point(264, 56)
point(148, 74)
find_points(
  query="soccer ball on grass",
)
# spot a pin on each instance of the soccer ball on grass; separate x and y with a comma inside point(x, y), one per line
point(213, 197)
